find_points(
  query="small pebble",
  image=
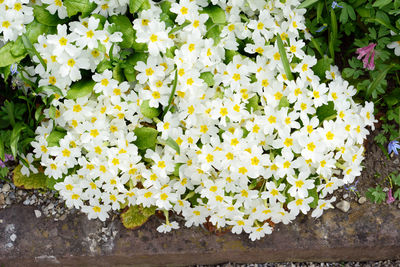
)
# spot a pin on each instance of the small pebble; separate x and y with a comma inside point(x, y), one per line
point(2, 199)
point(343, 205)
point(38, 213)
point(345, 196)
point(398, 206)
point(13, 237)
point(26, 202)
point(362, 200)
point(396, 161)
point(6, 188)
point(385, 189)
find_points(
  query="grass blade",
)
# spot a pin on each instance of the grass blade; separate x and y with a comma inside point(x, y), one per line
point(284, 59)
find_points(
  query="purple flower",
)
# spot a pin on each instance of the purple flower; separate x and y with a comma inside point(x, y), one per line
point(8, 157)
point(2, 165)
point(368, 54)
point(335, 4)
point(390, 199)
point(393, 146)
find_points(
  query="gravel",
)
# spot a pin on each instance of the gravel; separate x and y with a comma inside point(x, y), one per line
point(386, 263)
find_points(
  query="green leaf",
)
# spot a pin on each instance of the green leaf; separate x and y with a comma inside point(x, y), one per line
point(80, 89)
point(327, 111)
point(122, 24)
point(307, 3)
point(148, 111)
point(378, 194)
point(313, 193)
point(52, 112)
point(134, 5)
point(216, 13)
point(213, 31)
point(372, 86)
point(172, 143)
point(397, 194)
point(229, 54)
point(146, 138)
point(129, 73)
point(50, 182)
point(252, 104)
point(136, 57)
point(208, 78)
point(54, 138)
point(103, 65)
point(10, 111)
point(136, 216)
point(118, 73)
point(50, 88)
point(284, 59)
point(322, 66)
point(363, 12)
point(15, 135)
point(178, 28)
point(383, 19)
point(283, 102)
point(44, 17)
point(396, 179)
point(381, 3)
point(1, 149)
point(6, 58)
point(333, 34)
point(32, 50)
point(34, 181)
point(76, 6)
point(171, 97)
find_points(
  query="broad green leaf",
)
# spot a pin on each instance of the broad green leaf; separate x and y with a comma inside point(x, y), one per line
point(34, 181)
point(208, 78)
point(1, 149)
point(364, 12)
point(6, 58)
point(252, 105)
point(52, 112)
point(129, 73)
point(382, 3)
point(76, 6)
point(170, 52)
point(134, 5)
point(44, 17)
point(397, 194)
point(148, 111)
point(326, 112)
point(313, 193)
point(81, 89)
point(213, 31)
point(136, 216)
point(216, 13)
point(10, 111)
point(383, 19)
point(54, 138)
point(307, 3)
point(50, 182)
point(173, 144)
point(229, 54)
point(146, 138)
point(322, 66)
point(284, 58)
point(122, 24)
point(103, 65)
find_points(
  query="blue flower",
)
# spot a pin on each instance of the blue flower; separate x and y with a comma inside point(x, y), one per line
point(393, 146)
point(321, 28)
point(335, 4)
point(14, 69)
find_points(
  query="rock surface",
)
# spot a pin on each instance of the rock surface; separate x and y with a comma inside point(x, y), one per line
point(368, 232)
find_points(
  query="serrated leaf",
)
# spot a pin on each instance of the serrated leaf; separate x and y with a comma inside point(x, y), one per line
point(173, 144)
point(80, 89)
point(216, 13)
point(208, 78)
point(34, 181)
point(103, 65)
point(148, 111)
point(283, 102)
point(76, 6)
point(54, 138)
point(372, 86)
point(122, 24)
point(146, 138)
point(136, 216)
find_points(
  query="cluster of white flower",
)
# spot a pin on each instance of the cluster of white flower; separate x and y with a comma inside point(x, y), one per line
point(254, 147)
point(84, 46)
point(14, 15)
